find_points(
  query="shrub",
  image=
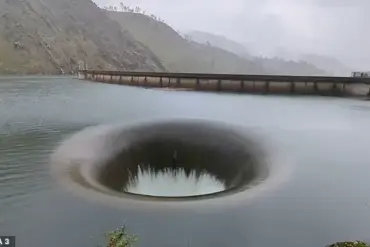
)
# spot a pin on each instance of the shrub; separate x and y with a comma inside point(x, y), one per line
point(120, 238)
point(349, 244)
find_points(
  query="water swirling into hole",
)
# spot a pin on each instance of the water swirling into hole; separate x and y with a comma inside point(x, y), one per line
point(172, 161)
point(161, 161)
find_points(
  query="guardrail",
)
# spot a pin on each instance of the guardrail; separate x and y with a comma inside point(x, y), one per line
point(321, 85)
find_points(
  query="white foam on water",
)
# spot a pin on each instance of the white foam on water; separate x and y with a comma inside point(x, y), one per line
point(174, 183)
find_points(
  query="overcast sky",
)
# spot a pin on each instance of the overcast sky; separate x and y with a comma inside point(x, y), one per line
point(339, 28)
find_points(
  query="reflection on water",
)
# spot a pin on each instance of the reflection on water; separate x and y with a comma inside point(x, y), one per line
point(173, 183)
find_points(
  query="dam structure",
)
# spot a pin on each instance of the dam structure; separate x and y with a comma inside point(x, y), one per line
point(236, 83)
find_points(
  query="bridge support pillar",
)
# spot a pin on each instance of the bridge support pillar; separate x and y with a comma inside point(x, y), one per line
point(315, 87)
point(368, 94)
point(81, 75)
point(267, 87)
point(334, 89)
point(292, 87)
point(219, 85)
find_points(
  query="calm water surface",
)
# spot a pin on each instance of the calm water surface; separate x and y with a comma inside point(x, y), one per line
point(325, 199)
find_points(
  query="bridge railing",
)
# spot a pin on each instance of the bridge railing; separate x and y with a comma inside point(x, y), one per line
point(237, 77)
point(321, 85)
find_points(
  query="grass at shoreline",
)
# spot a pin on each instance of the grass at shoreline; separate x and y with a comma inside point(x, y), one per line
point(122, 238)
point(350, 244)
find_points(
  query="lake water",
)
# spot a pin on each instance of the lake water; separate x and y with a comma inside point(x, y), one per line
point(324, 198)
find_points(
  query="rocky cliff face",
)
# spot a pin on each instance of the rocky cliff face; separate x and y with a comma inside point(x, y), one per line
point(52, 36)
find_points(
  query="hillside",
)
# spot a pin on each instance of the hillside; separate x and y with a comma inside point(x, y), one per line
point(51, 37)
point(276, 66)
point(269, 65)
point(220, 42)
point(330, 64)
point(179, 54)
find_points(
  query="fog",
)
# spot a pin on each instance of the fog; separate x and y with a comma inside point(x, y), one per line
point(335, 28)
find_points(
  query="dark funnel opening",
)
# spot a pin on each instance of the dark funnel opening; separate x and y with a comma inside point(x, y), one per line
point(180, 160)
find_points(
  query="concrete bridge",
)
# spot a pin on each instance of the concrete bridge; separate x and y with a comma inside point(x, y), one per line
point(267, 84)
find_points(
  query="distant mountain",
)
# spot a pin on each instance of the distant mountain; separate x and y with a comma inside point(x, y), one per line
point(219, 41)
point(275, 65)
point(179, 54)
point(329, 64)
point(278, 66)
